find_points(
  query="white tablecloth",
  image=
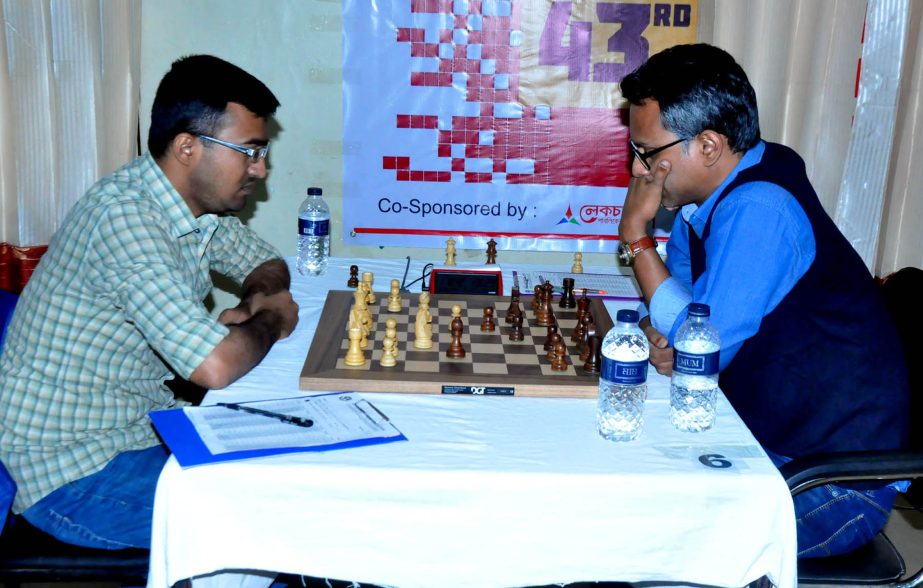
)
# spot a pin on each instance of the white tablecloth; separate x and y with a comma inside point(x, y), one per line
point(487, 491)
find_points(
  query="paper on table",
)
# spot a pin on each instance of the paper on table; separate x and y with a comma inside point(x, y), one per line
point(337, 418)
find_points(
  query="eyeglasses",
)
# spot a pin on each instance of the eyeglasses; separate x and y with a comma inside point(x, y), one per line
point(255, 155)
point(643, 157)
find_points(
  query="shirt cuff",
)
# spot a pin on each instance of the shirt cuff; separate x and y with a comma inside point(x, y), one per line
point(670, 299)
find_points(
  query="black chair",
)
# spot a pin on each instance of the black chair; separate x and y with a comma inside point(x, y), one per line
point(29, 555)
point(879, 562)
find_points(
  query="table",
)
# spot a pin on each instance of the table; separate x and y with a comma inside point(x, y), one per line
point(487, 491)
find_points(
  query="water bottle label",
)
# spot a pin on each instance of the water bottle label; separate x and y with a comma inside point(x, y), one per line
point(624, 372)
point(313, 228)
point(695, 364)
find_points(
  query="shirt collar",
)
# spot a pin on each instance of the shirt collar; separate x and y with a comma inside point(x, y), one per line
point(695, 215)
point(182, 221)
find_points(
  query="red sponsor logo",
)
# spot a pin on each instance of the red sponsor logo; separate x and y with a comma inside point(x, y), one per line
point(603, 213)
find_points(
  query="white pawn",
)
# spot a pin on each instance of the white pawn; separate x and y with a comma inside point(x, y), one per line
point(388, 353)
point(394, 299)
point(577, 268)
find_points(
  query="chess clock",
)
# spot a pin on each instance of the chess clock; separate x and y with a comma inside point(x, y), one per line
point(445, 280)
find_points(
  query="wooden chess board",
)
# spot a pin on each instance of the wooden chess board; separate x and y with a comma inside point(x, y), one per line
point(491, 360)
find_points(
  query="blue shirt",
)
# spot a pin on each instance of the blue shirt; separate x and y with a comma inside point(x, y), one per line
point(770, 246)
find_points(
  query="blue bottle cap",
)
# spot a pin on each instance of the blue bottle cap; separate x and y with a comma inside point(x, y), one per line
point(699, 309)
point(627, 316)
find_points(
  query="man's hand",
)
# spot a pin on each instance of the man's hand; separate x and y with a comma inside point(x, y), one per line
point(661, 353)
point(234, 315)
point(280, 303)
point(645, 194)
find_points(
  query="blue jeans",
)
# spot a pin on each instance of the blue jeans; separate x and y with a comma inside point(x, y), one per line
point(833, 519)
point(111, 509)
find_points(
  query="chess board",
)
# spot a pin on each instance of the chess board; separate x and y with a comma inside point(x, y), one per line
point(491, 359)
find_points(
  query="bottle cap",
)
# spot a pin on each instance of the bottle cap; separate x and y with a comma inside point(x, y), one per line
point(315, 191)
point(627, 316)
point(699, 309)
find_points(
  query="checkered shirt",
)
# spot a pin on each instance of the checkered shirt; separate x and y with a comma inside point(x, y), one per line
point(117, 298)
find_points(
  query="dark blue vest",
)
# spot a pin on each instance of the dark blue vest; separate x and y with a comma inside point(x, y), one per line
point(825, 371)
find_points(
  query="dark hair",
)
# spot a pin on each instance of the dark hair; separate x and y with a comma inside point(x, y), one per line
point(194, 94)
point(698, 87)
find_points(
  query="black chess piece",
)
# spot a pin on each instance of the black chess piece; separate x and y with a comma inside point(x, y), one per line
point(455, 350)
point(559, 364)
point(514, 302)
point(549, 340)
point(590, 332)
point(592, 360)
point(488, 323)
point(516, 328)
point(536, 297)
point(556, 339)
point(567, 298)
point(583, 306)
point(353, 281)
point(491, 252)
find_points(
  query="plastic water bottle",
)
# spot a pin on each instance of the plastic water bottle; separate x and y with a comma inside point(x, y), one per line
point(623, 379)
point(313, 234)
point(694, 385)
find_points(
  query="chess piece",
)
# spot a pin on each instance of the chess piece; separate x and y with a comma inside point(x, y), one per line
point(555, 339)
point(450, 251)
point(514, 303)
point(488, 323)
point(536, 297)
point(559, 363)
point(367, 278)
point(388, 353)
point(391, 329)
point(516, 328)
point(577, 268)
point(491, 252)
point(589, 331)
point(593, 352)
point(394, 299)
point(353, 280)
point(583, 306)
point(422, 328)
point(455, 350)
point(354, 355)
point(567, 298)
point(549, 339)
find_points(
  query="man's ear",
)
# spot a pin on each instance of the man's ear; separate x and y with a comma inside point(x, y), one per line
point(183, 148)
point(713, 146)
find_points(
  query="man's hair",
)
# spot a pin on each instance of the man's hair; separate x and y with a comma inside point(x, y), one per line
point(698, 87)
point(193, 97)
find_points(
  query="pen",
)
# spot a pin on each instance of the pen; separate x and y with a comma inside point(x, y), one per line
point(285, 418)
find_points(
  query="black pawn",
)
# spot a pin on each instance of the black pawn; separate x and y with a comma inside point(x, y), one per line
point(514, 305)
point(353, 281)
point(516, 328)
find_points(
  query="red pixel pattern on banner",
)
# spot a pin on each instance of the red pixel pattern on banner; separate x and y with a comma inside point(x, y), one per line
point(505, 142)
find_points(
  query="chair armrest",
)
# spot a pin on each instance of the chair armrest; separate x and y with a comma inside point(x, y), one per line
point(805, 473)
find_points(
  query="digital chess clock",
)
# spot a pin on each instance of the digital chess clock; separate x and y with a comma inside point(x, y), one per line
point(445, 280)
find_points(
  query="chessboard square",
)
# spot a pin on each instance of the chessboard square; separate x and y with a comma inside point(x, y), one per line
point(522, 359)
point(480, 337)
point(524, 370)
point(490, 368)
point(494, 348)
point(570, 371)
point(342, 366)
point(421, 355)
point(456, 367)
point(514, 348)
point(478, 356)
point(421, 366)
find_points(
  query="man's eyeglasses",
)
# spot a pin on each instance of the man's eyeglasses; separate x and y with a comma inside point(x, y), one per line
point(254, 154)
point(643, 157)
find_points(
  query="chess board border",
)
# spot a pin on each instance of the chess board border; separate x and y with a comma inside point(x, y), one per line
point(319, 371)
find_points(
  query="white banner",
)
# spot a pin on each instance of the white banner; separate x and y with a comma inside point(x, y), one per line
point(493, 119)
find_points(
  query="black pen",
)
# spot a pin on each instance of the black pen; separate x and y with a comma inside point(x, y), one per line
point(285, 418)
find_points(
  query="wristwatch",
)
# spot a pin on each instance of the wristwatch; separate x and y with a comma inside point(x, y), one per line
point(628, 251)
